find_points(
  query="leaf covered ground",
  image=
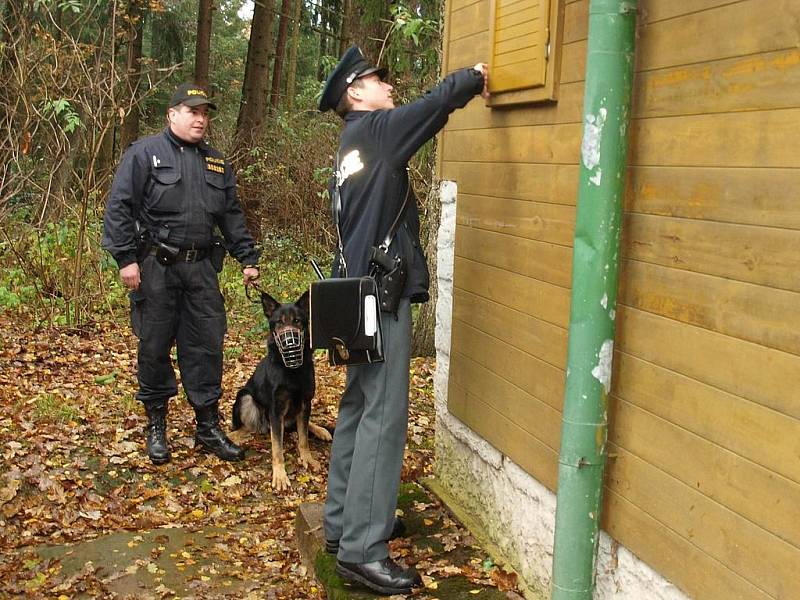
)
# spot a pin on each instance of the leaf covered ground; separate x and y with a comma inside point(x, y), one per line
point(74, 470)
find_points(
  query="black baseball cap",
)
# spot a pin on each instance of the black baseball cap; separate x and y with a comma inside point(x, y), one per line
point(350, 67)
point(190, 94)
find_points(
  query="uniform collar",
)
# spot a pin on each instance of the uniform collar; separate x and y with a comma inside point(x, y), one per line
point(354, 115)
point(176, 141)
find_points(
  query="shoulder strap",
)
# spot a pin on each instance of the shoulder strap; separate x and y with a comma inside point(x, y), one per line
point(336, 208)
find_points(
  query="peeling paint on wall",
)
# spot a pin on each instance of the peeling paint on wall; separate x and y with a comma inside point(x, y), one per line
point(602, 372)
point(592, 133)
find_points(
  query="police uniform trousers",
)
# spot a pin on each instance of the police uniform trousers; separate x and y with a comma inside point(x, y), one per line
point(368, 445)
point(179, 303)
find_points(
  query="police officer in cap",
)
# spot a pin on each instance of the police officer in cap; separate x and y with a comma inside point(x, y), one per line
point(170, 192)
point(375, 146)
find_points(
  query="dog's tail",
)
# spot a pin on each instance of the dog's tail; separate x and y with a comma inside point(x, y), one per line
point(248, 414)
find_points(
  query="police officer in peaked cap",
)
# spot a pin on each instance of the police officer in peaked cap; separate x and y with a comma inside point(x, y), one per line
point(170, 192)
point(376, 143)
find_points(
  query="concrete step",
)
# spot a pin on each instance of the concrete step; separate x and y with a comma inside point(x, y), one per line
point(448, 557)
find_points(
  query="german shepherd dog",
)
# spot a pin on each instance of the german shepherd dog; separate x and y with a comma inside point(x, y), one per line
point(282, 387)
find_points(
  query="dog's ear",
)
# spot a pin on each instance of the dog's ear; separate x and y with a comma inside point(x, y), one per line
point(269, 304)
point(302, 302)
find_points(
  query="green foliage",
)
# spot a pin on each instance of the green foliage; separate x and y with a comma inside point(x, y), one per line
point(64, 112)
point(37, 272)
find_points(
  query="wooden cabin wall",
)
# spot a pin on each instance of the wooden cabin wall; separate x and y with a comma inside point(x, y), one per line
point(703, 482)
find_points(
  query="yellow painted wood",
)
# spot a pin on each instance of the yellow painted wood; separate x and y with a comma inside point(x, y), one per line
point(542, 221)
point(573, 62)
point(517, 369)
point(749, 312)
point(515, 44)
point(761, 435)
point(768, 500)
point(475, 371)
point(748, 139)
point(747, 196)
point(539, 299)
point(506, 19)
point(532, 258)
point(680, 561)
point(469, 20)
point(521, 68)
point(768, 377)
point(534, 336)
point(764, 81)
point(540, 144)
point(532, 455)
point(744, 27)
point(769, 80)
point(554, 184)
point(767, 256)
point(467, 51)
point(761, 139)
point(762, 558)
point(459, 4)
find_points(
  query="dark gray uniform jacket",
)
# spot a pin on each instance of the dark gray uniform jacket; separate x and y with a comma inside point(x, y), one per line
point(377, 181)
point(180, 191)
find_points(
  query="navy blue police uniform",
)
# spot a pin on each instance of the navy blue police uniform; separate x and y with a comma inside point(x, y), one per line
point(171, 193)
point(370, 436)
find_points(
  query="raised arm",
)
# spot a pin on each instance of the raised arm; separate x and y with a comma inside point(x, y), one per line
point(405, 129)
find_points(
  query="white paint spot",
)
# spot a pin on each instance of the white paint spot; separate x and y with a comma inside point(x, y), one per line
point(613, 314)
point(592, 132)
point(604, 301)
point(602, 372)
point(595, 179)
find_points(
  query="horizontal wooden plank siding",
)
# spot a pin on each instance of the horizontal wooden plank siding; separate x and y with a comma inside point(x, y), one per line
point(704, 479)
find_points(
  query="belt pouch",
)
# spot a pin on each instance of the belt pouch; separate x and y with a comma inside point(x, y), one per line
point(217, 253)
point(166, 254)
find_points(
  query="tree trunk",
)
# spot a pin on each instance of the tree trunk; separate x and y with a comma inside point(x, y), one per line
point(367, 26)
point(344, 31)
point(129, 132)
point(423, 342)
point(280, 51)
point(253, 109)
point(291, 75)
point(205, 12)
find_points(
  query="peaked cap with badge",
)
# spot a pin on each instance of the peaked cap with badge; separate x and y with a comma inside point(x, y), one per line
point(351, 66)
point(190, 94)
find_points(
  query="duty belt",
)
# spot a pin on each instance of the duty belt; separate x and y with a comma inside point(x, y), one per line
point(191, 255)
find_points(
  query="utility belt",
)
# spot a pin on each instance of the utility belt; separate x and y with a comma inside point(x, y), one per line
point(167, 254)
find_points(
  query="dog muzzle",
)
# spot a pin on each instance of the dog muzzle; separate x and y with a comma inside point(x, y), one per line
point(290, 346)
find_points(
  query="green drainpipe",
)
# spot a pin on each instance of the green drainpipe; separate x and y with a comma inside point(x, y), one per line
point(606, 115)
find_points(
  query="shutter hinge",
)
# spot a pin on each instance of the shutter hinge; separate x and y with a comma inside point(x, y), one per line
point(547, 44)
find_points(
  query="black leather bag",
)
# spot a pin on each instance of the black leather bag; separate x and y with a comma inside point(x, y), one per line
point(345, 320)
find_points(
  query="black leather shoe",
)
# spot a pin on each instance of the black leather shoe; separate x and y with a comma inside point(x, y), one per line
point(157, 446)
point(382, 576)
point(211, 438)
point(398, 530)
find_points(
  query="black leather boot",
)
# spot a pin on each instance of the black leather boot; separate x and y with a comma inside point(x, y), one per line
point(157, 448)
point(211, 438)
point(382, 576)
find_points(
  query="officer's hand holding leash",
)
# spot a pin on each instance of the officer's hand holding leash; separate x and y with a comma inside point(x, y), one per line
point(250, 275)
point(131, 276)
point(483, 69)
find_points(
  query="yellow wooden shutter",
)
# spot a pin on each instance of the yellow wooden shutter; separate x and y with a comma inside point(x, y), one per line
point(519, 44)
